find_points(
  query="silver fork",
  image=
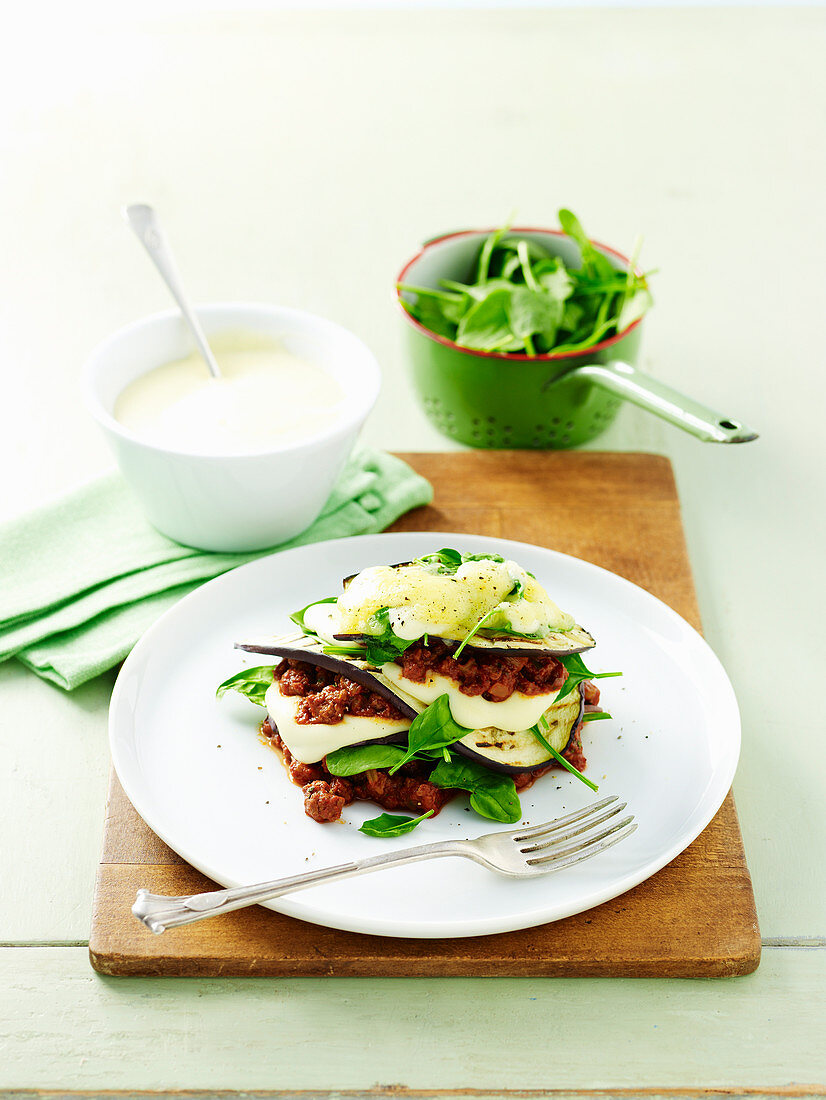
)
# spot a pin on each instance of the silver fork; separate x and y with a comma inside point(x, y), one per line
point(522, 853)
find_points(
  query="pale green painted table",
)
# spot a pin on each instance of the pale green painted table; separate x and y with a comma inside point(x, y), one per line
point(300, 158)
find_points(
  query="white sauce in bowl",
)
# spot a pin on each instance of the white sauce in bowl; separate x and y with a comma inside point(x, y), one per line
point(264, 398)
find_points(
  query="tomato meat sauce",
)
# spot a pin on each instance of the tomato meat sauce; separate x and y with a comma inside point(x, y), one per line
point(493, 675)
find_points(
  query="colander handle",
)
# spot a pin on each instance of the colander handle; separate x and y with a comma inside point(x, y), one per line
point(647, 392)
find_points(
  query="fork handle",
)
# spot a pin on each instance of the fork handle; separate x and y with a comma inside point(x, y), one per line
point(159, 912)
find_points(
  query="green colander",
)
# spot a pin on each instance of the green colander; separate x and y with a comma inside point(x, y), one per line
point(486, 399)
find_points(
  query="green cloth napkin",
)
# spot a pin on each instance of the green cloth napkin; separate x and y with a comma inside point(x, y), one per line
point(83, 577)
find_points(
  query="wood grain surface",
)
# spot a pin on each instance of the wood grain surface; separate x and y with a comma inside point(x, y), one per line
point(695, 918)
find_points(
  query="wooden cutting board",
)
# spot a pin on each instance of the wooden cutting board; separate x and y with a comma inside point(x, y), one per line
point(695, 918)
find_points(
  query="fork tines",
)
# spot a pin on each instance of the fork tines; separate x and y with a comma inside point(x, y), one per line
point(553, 838)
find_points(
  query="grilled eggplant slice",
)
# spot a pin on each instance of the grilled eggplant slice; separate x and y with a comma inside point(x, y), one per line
point(299, 647)
point(558, 644)
point(512, 753)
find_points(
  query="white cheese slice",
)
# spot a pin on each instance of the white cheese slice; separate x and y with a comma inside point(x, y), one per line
point(519, 712)
point(309, 742)
point(323, 619)
point(520, 748)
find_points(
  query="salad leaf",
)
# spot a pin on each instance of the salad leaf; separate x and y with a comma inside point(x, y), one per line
point(577, 672)
point(376, 649)
point(491, 241)
point(251, 682)
point(634, 307)
point(452, 304)
point(486, 325)
point(434, 728)
point(534, 313)
point(355, 759)
point(447, 559)
point(520, 297)
point(388, 825)
point(475, 630)
point(593, 261)
point(538, 733)
point(554, 277)
point(492, 795)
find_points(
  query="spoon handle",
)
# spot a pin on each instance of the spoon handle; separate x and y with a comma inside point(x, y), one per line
point(144, 221)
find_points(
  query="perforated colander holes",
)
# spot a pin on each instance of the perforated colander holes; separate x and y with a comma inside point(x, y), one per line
point(604, 416)
point(444, 420)
point(545, 435)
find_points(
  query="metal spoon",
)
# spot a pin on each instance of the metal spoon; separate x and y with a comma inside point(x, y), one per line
point(144, 221)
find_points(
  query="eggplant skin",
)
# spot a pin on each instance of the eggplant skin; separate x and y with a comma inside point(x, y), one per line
point(509, 769)
point(340, 666)
point(558, 644)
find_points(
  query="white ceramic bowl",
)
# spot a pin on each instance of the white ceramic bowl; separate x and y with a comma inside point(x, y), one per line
point(232, 502)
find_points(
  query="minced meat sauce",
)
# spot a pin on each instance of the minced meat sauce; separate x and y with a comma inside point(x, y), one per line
point(326, 697)
point(325, 795)
point(493, 675)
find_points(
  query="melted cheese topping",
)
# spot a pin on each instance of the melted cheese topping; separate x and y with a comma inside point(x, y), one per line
point(519, 712)
point(423, 601)
point(310, 742)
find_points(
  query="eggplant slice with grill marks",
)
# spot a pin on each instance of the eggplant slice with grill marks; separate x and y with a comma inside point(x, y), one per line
point(513, 753)
point(558, 644)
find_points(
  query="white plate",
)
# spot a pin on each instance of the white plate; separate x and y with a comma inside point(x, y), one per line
point(195, 769)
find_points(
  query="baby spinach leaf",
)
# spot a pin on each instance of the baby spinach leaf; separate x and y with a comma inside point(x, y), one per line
point(355, 759)
point(447, 559)
point(442, 753)
point(580, 345)
point(508, 630)
point(386, 646)
point(633, 308)
point(497, 800)
point(554, 277)
point(492, 795)
point(477, 291)
point(593, 261)
point(486, 326)
point(572, 316)
point(577, 672)
point(375, 649)
point(251, 682)
point(389, 825)
point(429, 312)
point(523, 298)
point(534, 251)
point(491, 241)
point(434, 728)
point(475, 630)
point(560, 759)
point(534, 312)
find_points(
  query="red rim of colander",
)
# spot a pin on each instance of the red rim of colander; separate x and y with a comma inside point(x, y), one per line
point(514, 356)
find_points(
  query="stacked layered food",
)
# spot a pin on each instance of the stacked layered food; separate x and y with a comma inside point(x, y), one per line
point(454, 672)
